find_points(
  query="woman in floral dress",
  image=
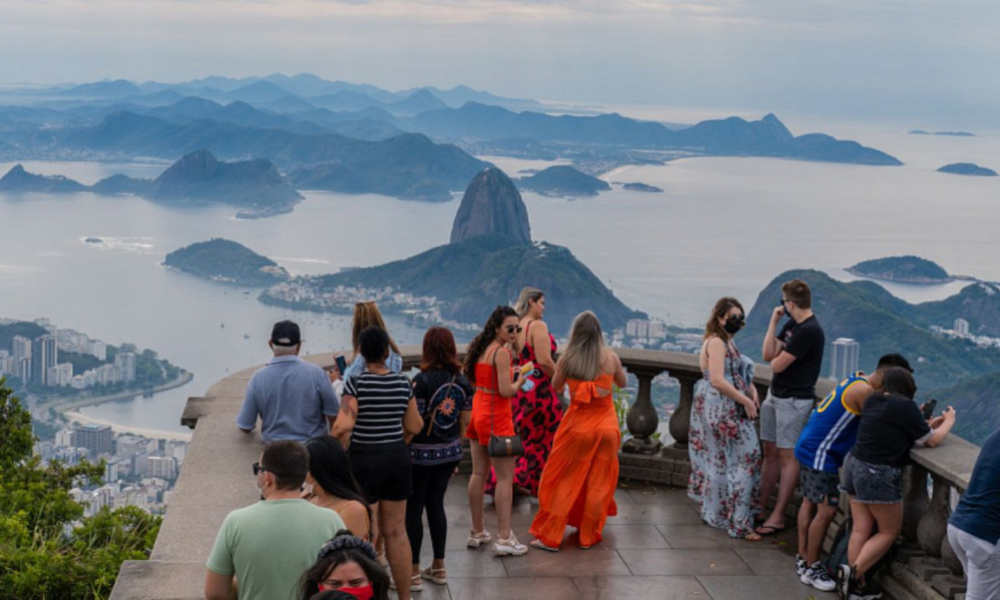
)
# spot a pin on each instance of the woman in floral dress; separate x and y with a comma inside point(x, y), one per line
point(725, 454)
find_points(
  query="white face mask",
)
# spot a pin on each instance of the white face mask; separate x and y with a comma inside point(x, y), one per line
point(307, 489)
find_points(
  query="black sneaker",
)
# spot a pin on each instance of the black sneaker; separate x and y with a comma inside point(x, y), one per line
point(870, 591)
point(845, 576)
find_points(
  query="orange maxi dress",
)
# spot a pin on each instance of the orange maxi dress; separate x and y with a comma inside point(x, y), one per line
point(579, 480)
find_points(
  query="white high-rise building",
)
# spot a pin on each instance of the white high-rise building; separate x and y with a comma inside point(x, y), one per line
point(961, 327)
point(44, 354)
point(99, 350)
point(125, 361)
point(20, 347)
point(845, 358)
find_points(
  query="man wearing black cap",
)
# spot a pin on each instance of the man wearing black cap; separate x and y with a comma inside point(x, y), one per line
point(293, 398)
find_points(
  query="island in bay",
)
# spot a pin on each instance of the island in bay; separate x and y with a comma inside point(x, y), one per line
point(902, 269)
point(226, 261)
point(563, 180)
point(967, 169)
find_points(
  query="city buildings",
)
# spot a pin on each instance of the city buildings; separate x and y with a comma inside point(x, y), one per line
point(961, 327)
point(845, 358)
point(44, 354)
point(97, 439)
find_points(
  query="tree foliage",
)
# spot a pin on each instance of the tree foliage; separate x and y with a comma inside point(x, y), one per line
point(47, 549)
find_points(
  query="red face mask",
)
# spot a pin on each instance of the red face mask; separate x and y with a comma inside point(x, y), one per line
point(361, 593)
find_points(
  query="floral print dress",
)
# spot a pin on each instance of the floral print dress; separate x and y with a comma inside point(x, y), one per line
point(725, 454)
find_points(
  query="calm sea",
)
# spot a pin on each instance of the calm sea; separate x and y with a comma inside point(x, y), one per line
point(724, 226)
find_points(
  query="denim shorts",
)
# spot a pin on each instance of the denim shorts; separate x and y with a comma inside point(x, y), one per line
point(868, 483)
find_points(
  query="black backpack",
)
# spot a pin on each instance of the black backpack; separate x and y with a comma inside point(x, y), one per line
point(441, 415)
point(838, 552)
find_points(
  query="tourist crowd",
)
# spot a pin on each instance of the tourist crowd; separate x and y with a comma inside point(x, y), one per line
point(354, 460)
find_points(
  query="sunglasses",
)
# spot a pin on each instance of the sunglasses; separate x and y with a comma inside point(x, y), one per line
point(257, 469)
point(739, 319)
point(513, 328)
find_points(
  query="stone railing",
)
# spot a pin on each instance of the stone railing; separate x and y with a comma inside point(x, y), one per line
point(217, 478)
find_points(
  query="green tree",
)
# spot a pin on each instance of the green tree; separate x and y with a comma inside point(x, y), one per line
point(47, 550)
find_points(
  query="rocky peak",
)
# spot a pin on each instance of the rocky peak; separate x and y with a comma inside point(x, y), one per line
point(491, 205)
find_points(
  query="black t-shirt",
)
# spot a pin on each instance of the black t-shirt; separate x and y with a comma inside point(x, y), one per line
point(890, 426)
point(804, 341)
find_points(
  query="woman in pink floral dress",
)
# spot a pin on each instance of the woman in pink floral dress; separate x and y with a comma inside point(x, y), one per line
point(723, 446)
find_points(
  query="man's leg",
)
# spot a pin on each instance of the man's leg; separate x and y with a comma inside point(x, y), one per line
point(817, 530)
point(788, 481)
point(806, 511)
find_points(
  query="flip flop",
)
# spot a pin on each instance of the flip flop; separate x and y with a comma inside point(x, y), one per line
point(770, 530)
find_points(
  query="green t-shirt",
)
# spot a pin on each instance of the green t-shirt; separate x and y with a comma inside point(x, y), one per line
point(269, 545)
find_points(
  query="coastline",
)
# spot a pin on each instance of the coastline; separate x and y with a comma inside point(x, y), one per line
point(906, 281)
point(69, 409)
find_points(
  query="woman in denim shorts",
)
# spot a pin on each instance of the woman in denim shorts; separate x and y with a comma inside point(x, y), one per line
point(891, 424)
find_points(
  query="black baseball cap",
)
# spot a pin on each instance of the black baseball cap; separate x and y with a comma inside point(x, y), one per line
point(285, 333)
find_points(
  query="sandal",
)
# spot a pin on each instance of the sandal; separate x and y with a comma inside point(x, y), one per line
point(438, 576)
point(753, 536)
point(415, 584)
point(769, 530)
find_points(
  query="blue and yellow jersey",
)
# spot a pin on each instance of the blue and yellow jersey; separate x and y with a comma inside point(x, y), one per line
point(831, 431)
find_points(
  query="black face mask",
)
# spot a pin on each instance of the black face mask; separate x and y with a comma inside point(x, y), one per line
point(733, 325)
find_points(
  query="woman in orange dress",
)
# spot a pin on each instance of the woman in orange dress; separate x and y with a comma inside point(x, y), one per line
point(488, 366)
point(579, 480)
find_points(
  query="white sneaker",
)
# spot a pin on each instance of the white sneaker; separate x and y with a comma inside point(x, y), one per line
point(800, 565)
point(509, 547)
point(818, 577)
point(477, 539)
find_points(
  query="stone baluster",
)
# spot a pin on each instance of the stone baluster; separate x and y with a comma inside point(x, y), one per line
point(916, 501)
point(933, 525)
point(642, 419)
point(680, 421)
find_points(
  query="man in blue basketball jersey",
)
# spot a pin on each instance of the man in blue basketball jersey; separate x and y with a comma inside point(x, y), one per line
point(825, 441)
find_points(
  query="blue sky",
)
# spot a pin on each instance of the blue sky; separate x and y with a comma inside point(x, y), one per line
point(859, 58)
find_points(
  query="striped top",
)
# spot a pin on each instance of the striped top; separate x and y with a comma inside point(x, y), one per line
point(382, 402)
point(831, 431)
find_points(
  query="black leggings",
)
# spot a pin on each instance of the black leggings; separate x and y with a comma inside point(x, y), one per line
point(430, 482)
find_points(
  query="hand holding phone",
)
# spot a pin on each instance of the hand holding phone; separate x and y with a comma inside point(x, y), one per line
point(341, 363)
point(928, 409)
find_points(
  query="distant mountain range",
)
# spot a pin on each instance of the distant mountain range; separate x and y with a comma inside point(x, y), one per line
point(254, 186)
point(977, 404)
point(883, 323)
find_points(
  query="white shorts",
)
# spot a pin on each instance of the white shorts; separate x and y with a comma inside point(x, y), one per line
point(981, 561)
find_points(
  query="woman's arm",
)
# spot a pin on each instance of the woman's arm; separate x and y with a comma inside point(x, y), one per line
point(942, 427)
point(716, 350)
point(412, 421)
point(506, 387)
point(543, 348)
point(346, 419)
point(621, 380)
point(558, 380)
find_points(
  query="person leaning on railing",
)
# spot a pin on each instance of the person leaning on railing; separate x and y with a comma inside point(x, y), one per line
point(891, 424)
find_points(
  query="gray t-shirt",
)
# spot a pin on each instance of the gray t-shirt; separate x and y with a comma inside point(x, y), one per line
point(269, 545)
point(292, 398)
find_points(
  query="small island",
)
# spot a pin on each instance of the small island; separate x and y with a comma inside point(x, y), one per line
point(944, 133)
point(902, 269)
point(226, 261)
point(93, 240)
point(563, 180)
point(642, 187)
point(967, 169)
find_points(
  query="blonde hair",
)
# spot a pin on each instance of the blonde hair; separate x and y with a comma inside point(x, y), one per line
point(528, 295)
point(585, 351)
point(366, 314)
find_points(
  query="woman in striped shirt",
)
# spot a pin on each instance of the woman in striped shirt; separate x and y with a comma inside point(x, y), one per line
point(378, 415)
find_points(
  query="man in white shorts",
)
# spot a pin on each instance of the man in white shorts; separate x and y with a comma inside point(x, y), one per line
point(796, 355)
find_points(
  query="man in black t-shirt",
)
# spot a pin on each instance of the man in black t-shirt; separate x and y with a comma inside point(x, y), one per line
point(796, 355)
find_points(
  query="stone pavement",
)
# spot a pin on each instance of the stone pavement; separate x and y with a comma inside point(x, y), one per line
point(657, 548)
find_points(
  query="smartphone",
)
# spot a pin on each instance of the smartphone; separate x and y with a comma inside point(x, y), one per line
point(928, 409)
point(341, 364)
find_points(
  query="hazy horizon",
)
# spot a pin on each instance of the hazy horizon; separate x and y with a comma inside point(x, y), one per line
point(897, 59)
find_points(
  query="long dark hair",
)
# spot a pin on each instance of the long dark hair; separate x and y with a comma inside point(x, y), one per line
point(345, 548)
point(722, 306)
point(485, 338)
point(439, 351)
point(330, 467)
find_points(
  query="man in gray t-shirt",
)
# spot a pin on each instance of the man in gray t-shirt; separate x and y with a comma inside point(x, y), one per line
point(293, 398)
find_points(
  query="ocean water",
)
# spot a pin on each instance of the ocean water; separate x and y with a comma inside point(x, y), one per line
point(723, 226)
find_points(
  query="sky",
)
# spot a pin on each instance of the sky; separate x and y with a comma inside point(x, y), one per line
point(863, 59)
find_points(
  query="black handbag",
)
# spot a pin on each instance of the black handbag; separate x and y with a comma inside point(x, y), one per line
point(502, 446)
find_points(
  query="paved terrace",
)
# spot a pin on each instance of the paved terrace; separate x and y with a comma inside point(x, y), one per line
point(657, 546)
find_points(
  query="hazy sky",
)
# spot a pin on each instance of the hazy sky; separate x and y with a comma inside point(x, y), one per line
point(864, 58)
